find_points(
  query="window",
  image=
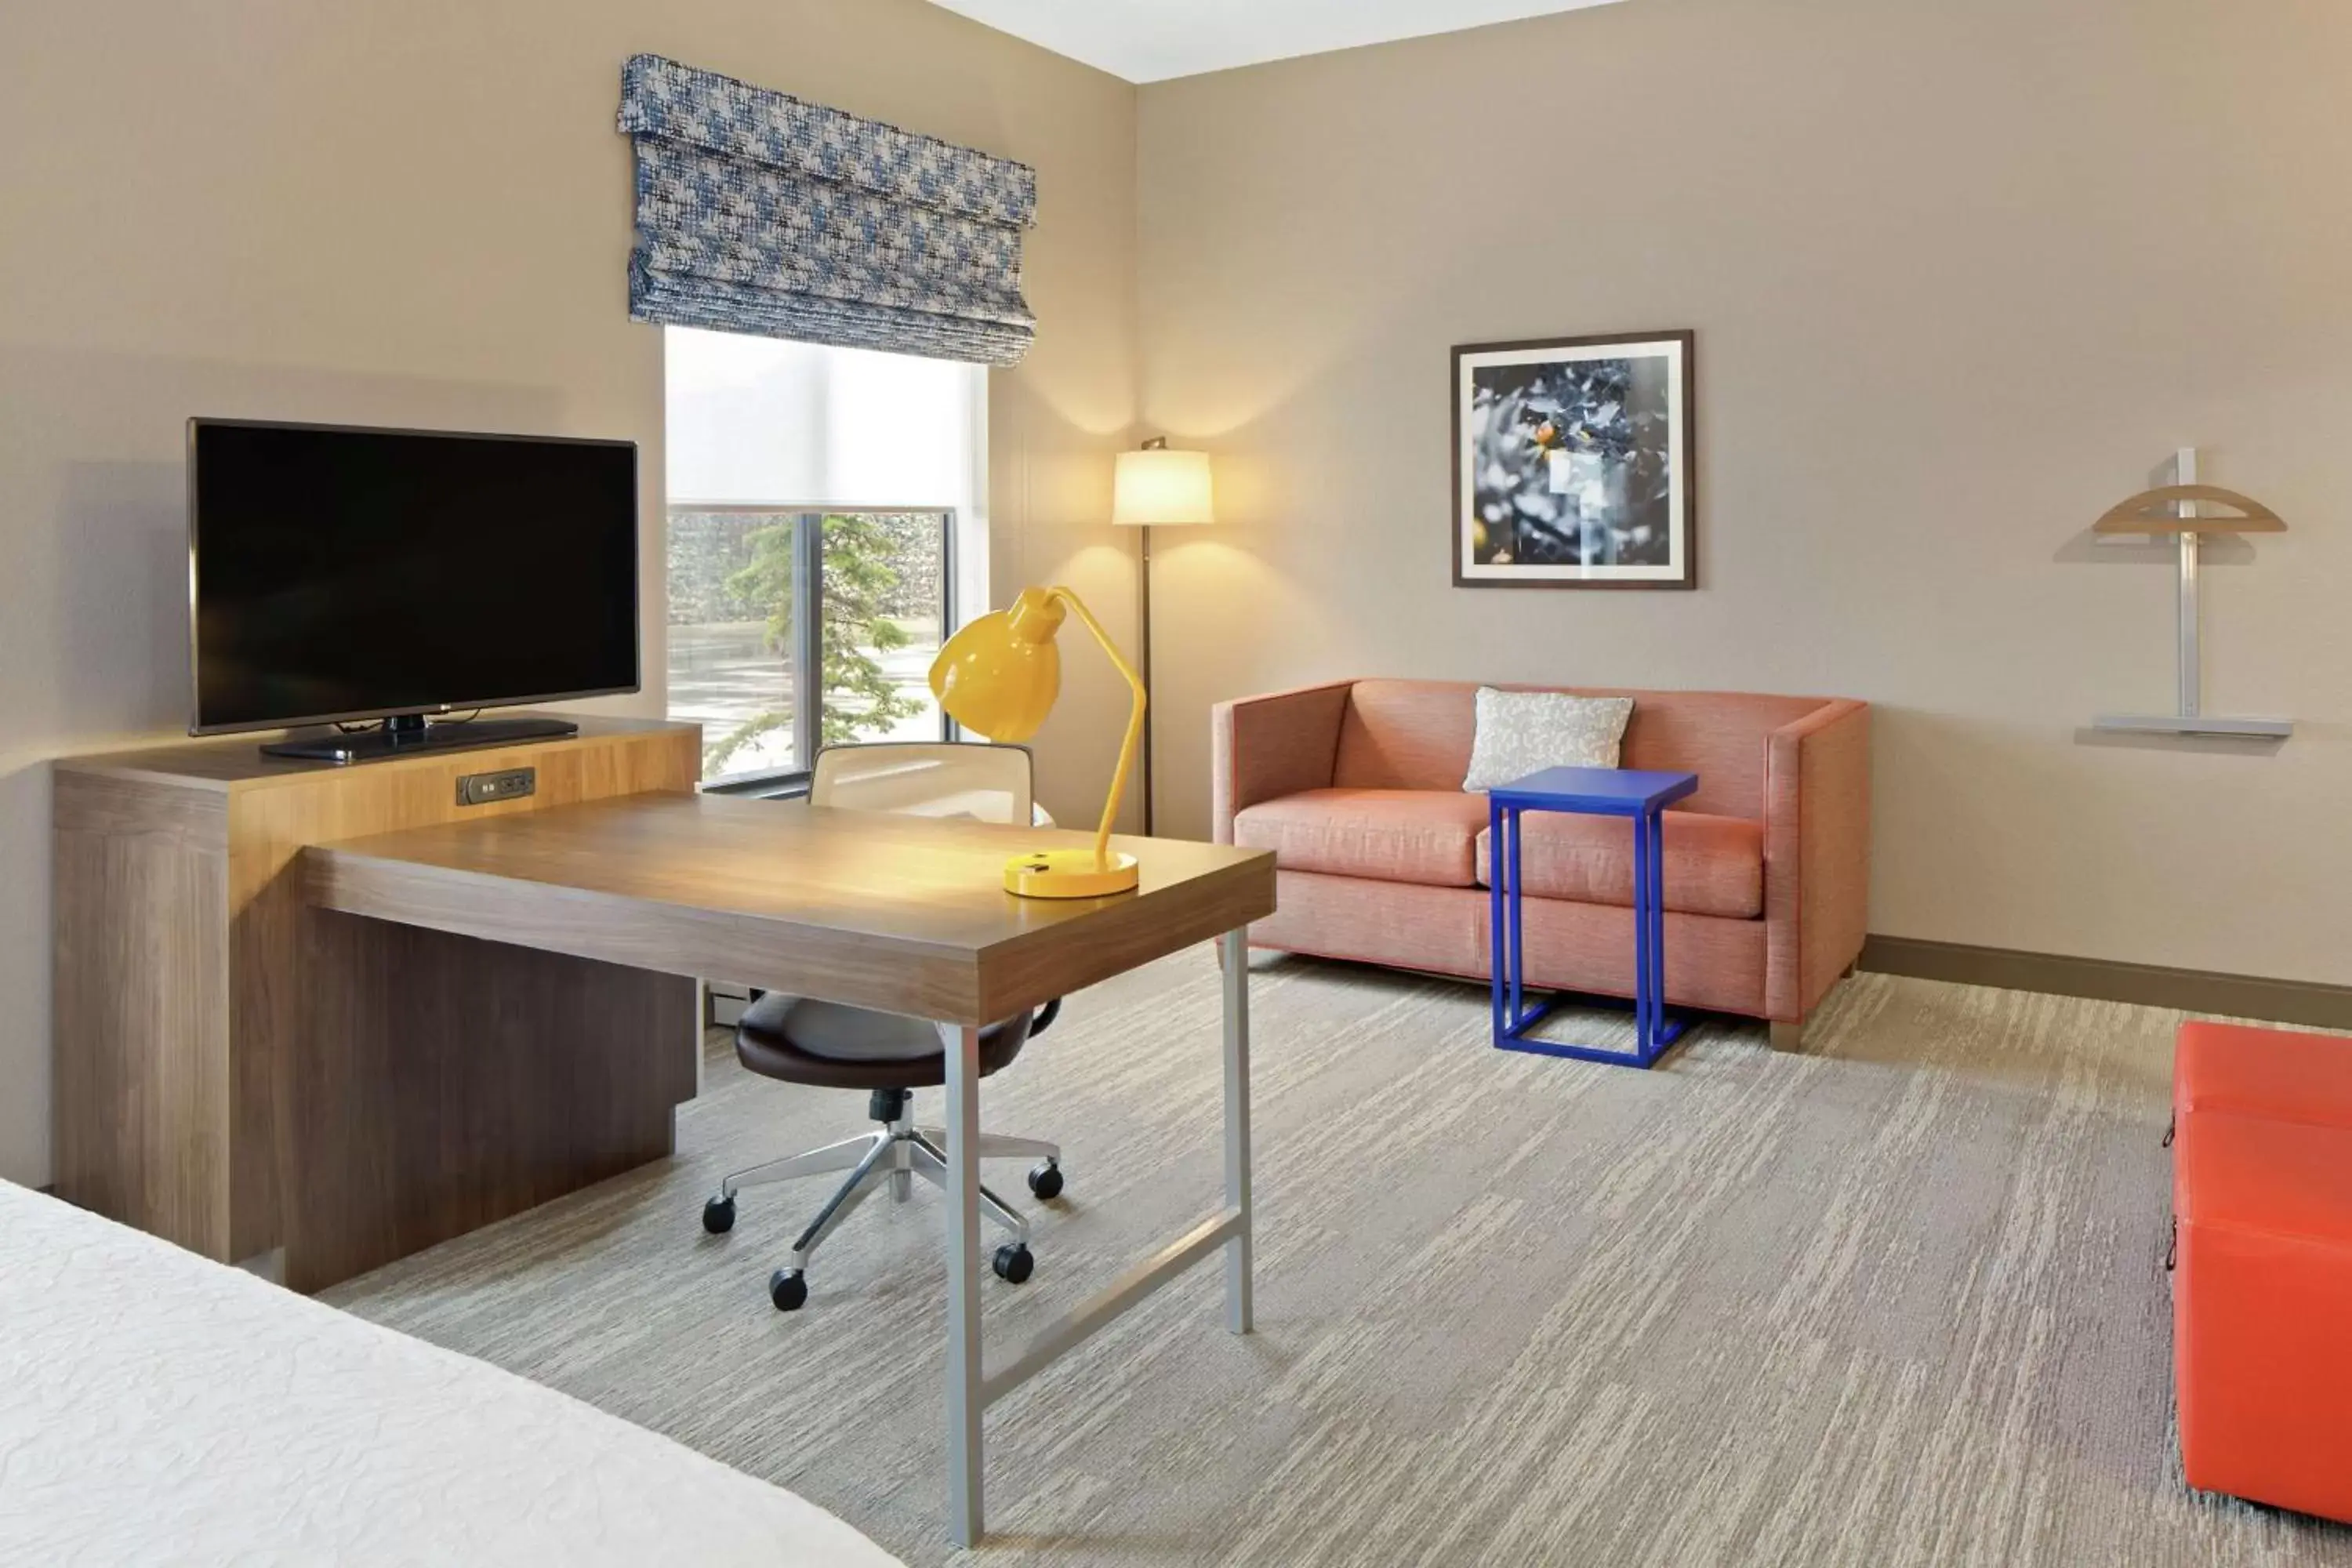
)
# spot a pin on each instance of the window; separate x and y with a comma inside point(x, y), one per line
point(742, 661)
point(823, 517)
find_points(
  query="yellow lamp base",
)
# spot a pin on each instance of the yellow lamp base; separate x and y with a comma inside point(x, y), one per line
point(1069, 874)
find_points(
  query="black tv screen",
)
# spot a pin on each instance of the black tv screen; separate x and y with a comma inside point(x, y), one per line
point(341, 574)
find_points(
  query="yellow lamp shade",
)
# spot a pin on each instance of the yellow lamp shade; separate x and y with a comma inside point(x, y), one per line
point(1156, 488)
point(998, 676)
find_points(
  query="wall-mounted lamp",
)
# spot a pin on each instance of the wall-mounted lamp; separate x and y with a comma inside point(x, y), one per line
point(2179, 509)
point(1158, 488)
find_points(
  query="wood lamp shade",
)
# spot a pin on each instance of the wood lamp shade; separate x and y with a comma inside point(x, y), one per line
point(2164, 510)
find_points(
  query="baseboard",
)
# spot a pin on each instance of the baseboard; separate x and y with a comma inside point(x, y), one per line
point(2189, 990)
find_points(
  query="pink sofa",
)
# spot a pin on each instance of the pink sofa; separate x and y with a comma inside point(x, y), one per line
point(1379, 857)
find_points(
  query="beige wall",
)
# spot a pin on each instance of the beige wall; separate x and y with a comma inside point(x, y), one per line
point(417, 212)
point(1962, 274)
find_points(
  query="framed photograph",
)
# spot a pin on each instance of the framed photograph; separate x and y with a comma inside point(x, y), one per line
point(1573, 464)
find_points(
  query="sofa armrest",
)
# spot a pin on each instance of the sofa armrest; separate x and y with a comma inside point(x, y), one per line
point(1816, 853)
point(1270, 746)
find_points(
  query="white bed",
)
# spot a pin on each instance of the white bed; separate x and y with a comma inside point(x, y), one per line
point(156, 1407)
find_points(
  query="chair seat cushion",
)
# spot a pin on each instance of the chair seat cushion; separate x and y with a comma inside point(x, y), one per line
point(1715, 864)
point(2280, 1074)
point(800, 1040)
point(1424, 837)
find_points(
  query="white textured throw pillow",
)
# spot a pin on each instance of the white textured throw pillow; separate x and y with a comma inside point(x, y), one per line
point(1522, 733)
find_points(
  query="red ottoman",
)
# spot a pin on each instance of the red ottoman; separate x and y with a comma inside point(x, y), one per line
point(2262, 1289)
point(2272, 1073)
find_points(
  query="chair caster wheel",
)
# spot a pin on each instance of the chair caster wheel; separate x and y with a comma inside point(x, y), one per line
point(719, 1216)
point(1045, 1181)
point(787, 1290)
point(1013, 1263)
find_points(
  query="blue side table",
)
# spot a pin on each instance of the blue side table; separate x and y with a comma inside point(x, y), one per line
point(1594, 792)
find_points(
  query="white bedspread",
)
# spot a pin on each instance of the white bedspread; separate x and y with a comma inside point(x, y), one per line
point(157, 1408)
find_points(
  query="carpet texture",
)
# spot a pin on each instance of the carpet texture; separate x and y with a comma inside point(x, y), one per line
point(1897, 1301)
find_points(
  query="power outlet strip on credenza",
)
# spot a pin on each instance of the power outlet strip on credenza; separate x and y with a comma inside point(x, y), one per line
point(235, 1074)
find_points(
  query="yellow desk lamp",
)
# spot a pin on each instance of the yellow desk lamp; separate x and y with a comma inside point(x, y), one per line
point(999, 678)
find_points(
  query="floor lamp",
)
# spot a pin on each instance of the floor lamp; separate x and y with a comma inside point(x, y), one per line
point(1158, 488)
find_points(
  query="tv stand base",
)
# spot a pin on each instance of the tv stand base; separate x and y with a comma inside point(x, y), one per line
point(409, 736)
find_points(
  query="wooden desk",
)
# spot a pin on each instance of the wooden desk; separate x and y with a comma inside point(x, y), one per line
point(898, 912)
point(907, 914)
point(256, 1082)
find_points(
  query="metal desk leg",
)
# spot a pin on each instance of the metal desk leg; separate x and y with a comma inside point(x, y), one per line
point(971, 1387)
point(1238, 1262)
point(965, 1401)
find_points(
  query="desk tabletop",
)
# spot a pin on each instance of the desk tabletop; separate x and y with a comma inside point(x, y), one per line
point(904, 913)
point(1627, 792)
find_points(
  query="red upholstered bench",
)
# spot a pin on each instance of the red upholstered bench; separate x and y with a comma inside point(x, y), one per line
point(2262, 1289)
point(2276, 1074)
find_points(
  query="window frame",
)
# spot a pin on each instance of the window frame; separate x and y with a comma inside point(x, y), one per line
point(808, 626)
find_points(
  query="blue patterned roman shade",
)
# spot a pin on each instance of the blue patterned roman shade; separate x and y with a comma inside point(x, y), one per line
point(758, 213)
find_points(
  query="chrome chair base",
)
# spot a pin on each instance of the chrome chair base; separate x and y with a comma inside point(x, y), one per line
point(893, 1155)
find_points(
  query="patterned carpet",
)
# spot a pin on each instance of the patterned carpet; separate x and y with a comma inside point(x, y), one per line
point(1899, 1300)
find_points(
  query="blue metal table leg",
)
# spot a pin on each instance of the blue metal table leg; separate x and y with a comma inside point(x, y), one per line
point(1515, 904)
point(1645, 1028)
point(1495, 917)
point(1668, 1032)
point(1665, 1031)
point(1653, 1031)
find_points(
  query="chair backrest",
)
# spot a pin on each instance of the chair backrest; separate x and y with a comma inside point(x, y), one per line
point(975, 779)
point(971, 779)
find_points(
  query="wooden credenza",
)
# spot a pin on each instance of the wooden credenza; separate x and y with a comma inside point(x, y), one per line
point(240, 1072)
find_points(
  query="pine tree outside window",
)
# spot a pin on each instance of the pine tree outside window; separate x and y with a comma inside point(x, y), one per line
point(776, 661)
point(824, 508)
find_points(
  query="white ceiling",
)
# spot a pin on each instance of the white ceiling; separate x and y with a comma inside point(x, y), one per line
point(1151, 40)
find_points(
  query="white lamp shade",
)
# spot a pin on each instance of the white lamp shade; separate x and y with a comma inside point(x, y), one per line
point(1159, 489)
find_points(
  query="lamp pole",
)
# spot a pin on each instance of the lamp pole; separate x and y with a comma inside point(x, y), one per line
point(1143, 664)
point(1153, 486)
point(1144, 668)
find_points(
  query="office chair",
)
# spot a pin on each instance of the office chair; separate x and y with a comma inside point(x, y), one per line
point(827, 1045)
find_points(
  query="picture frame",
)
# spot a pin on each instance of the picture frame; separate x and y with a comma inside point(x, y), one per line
point(1574, 462)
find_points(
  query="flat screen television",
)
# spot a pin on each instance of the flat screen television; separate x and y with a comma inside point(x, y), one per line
point(338, 574)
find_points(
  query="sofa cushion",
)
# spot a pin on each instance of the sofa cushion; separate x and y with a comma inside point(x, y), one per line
point(1715, 966)
point(1418, 734)
point(2282, 1074)
point(1393, 835)
point(1406, 735)
point(1715, 864)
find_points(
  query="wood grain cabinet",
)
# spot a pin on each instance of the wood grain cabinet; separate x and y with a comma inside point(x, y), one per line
point(240, 1072)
